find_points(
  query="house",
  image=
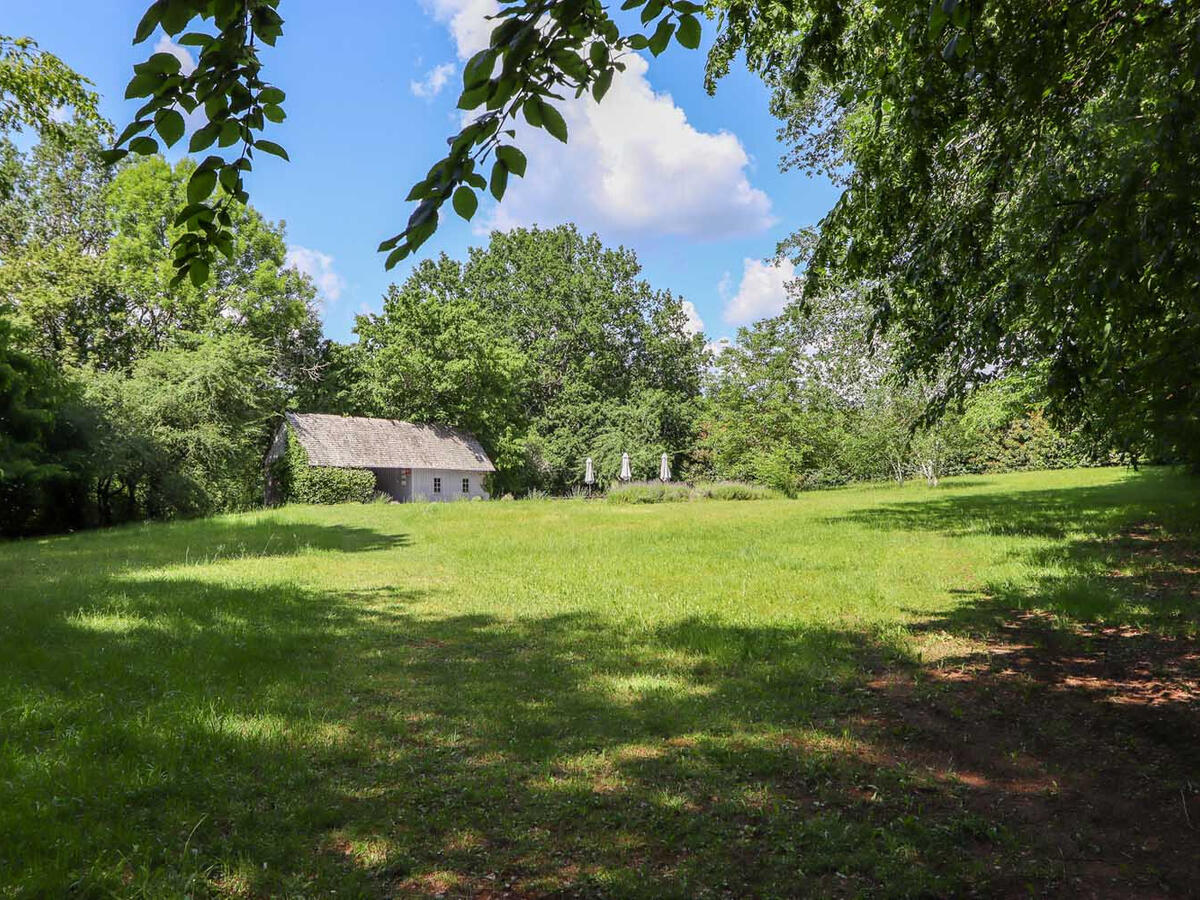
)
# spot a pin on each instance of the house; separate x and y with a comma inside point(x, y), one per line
point(430, 462)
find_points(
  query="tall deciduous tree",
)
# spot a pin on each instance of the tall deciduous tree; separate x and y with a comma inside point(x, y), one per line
point(85, 258)
point(546, 344)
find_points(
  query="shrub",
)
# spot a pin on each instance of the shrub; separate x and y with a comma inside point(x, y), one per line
point(536, 494)
point(319, 484)
point(733, 490)
point(648, 492)
point(675, 491)
point(299, 482)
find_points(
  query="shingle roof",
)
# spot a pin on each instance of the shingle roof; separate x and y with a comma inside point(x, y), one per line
point(355, 442)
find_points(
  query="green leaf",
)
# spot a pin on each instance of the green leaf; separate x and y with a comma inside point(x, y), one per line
point(499, 179)
point(272, 148)
point(165, 63)
point(554, 122)
point(661, 37)
point(142, 86)
point(472, 97)
point(652, 11)
point(689, 32)
point(571, 65)
point(133, 128)
point(271, 95)
point(192, 210)
point(632, 4)
point(201, 185)
point(143, 146)
point(396, 255)
point(198, 272)
point(533, 112)
point(598, 53)
point(465, 202)
point(421, 214)
point(231, 132)
point(113, 156)
point(500, 92)
point(169, 125)
point(274, 113)
point(204, 137)
point(601, 85)
point(229, 178)
point(148, 23)
point(513, 159)
point(175, 15)
point(479, 68)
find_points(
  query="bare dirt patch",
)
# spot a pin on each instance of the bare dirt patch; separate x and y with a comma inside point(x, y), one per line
point(1082, 742)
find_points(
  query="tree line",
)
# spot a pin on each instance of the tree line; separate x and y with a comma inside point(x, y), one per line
point(126, 394)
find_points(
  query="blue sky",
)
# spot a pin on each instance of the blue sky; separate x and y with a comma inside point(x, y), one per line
point(690, 182)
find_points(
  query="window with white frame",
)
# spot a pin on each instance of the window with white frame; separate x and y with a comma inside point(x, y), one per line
point(437, 485)
point(466, 485)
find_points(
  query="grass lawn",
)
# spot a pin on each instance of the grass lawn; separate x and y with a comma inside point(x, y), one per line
point(987, 687)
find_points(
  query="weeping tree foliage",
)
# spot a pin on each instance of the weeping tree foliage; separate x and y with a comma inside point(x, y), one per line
point(1018, 177)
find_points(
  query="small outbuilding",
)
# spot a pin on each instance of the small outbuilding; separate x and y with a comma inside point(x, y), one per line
point(409, 461)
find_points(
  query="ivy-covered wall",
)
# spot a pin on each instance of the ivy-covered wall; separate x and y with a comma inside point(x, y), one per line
point(292, 480)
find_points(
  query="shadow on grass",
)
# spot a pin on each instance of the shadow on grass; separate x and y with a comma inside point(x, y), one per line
point(167, 735)
point(1125, 553)
point(198, 541)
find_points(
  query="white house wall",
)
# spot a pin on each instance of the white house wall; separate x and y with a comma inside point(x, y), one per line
point(422, 485)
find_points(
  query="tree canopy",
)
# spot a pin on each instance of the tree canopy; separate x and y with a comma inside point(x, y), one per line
point(1019, 179)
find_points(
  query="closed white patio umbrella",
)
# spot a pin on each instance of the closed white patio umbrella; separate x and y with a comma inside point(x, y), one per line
point(664, 469)
point(589, 473)
point(626, 474)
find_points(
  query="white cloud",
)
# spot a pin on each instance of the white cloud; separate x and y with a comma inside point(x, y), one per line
point(166, 45)
point(433, 82)
point(694, 324)
point(762, 292)
point(634, 165)
point(319, 267)
point(467, 21)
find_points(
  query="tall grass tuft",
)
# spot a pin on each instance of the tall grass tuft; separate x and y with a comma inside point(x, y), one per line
point(648, 492)
point(733, 490)
point(673, 492)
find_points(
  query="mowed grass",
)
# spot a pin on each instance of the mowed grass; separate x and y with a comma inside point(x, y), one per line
point(571, 697)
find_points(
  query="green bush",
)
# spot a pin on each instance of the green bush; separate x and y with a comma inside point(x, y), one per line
point(733, 490)
point(648, 492)
point(299, 482)
point(319, 484)
point(675, 492)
